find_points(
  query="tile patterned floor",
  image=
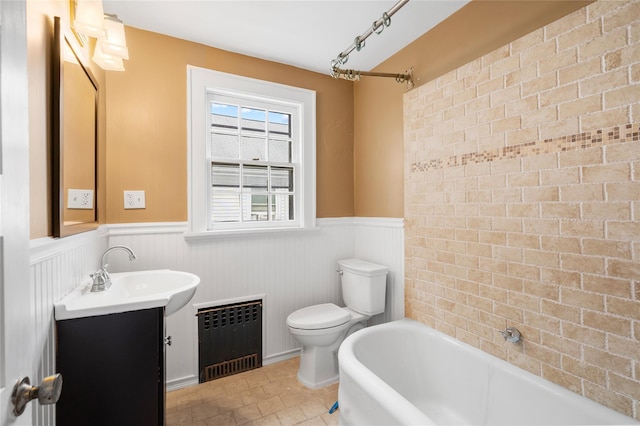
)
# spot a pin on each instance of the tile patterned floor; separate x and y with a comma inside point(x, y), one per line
point(270, 395)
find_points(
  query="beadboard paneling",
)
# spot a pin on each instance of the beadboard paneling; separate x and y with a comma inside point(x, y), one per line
point(57, 267)
point(292, 270)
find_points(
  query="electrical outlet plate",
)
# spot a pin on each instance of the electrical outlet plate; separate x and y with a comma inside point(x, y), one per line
point(134, 200)
point(80, 199)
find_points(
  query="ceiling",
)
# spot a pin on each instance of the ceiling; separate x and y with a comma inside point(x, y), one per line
point(306, 34)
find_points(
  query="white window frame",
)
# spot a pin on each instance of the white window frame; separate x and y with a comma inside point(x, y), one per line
point(200, 83)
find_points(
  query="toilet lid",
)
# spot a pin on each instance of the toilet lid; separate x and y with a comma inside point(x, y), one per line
point(315, 317)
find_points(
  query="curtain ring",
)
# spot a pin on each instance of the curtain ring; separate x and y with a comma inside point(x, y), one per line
point(387, 19)
point(358, 43)
point(377, 28)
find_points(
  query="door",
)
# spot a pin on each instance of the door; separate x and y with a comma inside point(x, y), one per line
point(17, 353)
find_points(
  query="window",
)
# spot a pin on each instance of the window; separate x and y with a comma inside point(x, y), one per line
point(251, 154)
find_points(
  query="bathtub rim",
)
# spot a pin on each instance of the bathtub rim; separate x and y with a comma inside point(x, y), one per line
point(368, 380)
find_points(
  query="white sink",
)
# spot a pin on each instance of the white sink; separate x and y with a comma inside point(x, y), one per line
point(130, 291)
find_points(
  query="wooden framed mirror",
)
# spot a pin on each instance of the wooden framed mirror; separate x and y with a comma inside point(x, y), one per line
point(74, 141)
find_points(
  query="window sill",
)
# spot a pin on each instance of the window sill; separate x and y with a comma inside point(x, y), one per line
point(237, 233)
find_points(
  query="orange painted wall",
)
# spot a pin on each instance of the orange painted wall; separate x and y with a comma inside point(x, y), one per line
point(474, 30)
point(147, 132)
point(39, 46)
point(142, 123)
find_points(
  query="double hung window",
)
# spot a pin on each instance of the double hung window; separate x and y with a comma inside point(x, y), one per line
point(252, 154)
point(252, 148)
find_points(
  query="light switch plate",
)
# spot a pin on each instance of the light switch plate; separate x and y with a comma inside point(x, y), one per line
point(80, 199)
point(134, 200)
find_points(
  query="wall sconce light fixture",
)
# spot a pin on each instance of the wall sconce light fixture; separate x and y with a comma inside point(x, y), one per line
point(89, 18)
point(111, 46)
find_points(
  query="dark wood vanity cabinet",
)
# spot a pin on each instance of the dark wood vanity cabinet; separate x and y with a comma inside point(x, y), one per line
point(113, 369)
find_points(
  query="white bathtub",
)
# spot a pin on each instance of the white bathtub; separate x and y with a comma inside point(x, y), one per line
point(405, 373)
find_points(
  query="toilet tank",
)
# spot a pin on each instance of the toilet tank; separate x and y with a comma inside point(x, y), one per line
point(364, 285)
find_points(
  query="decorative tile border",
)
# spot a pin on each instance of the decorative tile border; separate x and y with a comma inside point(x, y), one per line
point(600, 137)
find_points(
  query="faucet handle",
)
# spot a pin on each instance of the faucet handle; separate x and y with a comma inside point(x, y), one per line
point(100, 280)
point(511, 334)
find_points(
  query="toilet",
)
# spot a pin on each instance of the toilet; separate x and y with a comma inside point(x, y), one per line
point(320, 329)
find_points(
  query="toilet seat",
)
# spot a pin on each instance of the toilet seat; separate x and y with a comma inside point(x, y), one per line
point(316, 317)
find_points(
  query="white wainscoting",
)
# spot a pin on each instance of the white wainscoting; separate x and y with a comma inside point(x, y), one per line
point(292, 270)
point(57, 267)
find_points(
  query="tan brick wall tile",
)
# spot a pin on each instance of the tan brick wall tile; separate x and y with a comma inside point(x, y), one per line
point(614, 363)
point(622, 191)
point(542, 194)
point(619, 172)
point(559, 95)
point(560, 277)
point(625, 386)
point(578, 263)
point(544, 354)
point(561, 210)
point(607, 248)
point(582, 228)
point(627, 15)
point(581, 157)
point(505, 66)
point(623, 269)
point(580, 107)
point(540, 116)
point(622, 96)
point(570, 126)
point(625, 348)
point(607, 285)
point(609, 323)
point(635, 73)
point(584, 192)
point(561, 244)
point(589, 31)
point(623, 152)
point(596, 11)
point(602, 83)
point(541, 226)
point(584, 335)
point(609, 41)
point(544, 82)
point(609, 210)
point(623, 307)
point(582, 299)
point(579, 72)
point(522, 199)
point(558, 61)
point(584, 370)
point(561, 378)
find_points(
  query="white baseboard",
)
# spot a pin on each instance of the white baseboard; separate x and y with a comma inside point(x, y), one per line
point(282, 356)
point(182, 382)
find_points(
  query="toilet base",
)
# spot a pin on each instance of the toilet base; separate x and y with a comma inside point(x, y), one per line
point(319, 364)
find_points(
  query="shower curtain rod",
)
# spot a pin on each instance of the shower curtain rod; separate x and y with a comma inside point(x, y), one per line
point(359, 43)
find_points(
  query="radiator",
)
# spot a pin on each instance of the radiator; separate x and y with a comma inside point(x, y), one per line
point(229, 339)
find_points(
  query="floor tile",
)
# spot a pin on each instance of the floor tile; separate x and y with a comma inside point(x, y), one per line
point(270, 395)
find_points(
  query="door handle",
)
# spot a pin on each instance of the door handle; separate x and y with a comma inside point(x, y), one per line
point(47, 393)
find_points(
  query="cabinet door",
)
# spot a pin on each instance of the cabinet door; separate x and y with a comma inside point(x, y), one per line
point(113, 369)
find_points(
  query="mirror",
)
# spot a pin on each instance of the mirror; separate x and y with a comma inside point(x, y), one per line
point(74, 141)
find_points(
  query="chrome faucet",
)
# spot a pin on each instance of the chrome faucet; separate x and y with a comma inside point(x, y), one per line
point(511, 334)
point(101, 278)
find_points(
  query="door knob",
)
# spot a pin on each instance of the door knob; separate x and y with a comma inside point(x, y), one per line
point(47, 393)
